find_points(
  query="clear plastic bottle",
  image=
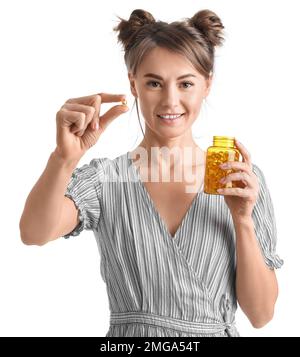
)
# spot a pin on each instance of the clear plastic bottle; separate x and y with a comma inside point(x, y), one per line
point(222, 150)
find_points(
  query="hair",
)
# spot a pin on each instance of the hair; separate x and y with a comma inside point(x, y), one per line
point(195, 38)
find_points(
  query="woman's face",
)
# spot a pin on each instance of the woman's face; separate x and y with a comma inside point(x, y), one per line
point(160, 90)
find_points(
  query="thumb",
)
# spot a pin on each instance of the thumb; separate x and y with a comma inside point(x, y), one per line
point(111, 115)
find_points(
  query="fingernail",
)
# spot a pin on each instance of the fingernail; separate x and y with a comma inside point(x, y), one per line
point(96, 126)
point(223, 166)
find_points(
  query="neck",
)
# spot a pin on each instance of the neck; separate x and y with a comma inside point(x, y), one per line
point(188, 155)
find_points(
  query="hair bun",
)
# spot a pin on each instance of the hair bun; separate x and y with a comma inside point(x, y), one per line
point(210, 25)
point(141, 17)
point(127, 29)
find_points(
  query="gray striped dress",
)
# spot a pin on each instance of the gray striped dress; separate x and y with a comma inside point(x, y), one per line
point(159, 285)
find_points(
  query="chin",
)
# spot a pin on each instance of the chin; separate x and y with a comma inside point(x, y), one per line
point(170, 133)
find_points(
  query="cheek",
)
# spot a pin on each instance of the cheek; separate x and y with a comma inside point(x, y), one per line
point(146, 110)
point(145, 99)
point(195, 105)
point(148, 103)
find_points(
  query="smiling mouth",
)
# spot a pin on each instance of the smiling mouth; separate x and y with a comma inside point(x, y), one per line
point(170, 119)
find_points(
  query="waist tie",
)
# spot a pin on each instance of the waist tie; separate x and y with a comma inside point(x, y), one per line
point(117, 318)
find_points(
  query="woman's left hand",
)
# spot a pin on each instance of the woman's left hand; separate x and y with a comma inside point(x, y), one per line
point(241, 200)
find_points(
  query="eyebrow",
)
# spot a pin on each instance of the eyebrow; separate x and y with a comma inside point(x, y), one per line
point(159, 77)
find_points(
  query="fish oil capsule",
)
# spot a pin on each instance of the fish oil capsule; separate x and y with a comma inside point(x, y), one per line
point(222, 150)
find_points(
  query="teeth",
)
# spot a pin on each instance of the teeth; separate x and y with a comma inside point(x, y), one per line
point(169, 116)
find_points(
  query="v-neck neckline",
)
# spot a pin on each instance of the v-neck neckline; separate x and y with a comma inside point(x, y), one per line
point(150, 201)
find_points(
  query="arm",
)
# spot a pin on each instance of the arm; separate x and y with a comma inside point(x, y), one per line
point(40, 220)
point(256, 283)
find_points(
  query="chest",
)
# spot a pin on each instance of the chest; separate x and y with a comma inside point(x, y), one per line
point(172, 200)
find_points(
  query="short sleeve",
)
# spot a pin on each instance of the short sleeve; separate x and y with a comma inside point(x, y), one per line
point(84, 189)
point(264, 222)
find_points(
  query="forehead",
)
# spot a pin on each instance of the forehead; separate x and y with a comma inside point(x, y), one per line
point(165, 62)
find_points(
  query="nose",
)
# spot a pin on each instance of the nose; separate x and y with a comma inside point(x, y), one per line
point(170, 98)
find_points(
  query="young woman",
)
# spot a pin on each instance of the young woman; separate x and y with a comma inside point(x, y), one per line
point(175, 260)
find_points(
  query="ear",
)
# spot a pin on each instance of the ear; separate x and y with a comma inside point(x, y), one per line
point(132, 84)
point(208, 85)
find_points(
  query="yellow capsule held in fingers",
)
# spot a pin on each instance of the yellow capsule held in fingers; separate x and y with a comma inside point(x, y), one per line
point(124, 102)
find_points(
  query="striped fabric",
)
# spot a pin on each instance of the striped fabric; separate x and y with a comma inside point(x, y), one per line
point(159, 285)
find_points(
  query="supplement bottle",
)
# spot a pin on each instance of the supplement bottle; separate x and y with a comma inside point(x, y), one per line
point(222, 150)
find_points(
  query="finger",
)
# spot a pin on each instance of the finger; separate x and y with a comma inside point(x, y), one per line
point(236, 165)
point(79, 124)
point(88, 110)
point(80, 133)
point(110, 98)
point(238, 176)
point(111, 114)
point(72, 119)
point(105, 98)
point(95, 100)
point(236, 191)
point(87, 100)
point(244, 152)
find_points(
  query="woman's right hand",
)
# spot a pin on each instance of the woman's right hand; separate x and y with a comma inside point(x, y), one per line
point(76, 123)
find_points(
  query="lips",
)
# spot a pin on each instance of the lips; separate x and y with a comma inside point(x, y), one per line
point(171, 121)
point(159, 115)
point(170, 114)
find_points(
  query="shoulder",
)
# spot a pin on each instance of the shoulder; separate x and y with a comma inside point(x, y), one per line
point(100, 163)
point(90, 169)
point(110, 169)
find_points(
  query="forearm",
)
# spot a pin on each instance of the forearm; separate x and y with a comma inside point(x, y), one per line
point(256, 284)
point(43, 205)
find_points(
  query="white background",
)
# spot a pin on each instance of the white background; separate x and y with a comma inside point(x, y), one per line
point(55, 50)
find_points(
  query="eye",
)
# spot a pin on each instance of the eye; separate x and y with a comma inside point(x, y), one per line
point(150, 82)
point(185, 83)
point(191, 84)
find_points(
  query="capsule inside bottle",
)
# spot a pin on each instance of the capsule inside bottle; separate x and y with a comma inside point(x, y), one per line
point(222, 150)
